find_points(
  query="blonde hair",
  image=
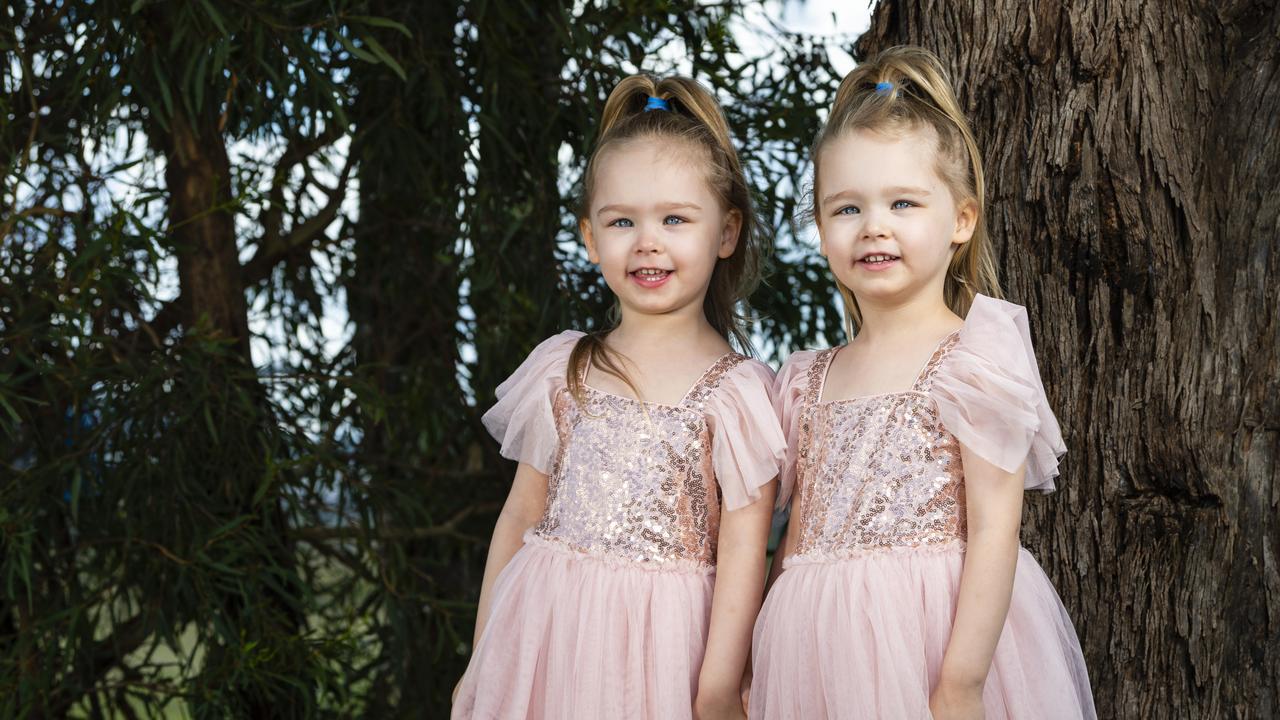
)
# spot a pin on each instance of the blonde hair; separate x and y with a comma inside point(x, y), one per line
point(906, 88)
point(693, 115)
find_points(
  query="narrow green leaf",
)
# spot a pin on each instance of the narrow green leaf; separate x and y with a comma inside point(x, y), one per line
point(357, 51)
point(163, 82)
point(208, 421)
point(384, 56)
point(13, 414)
point(215, 17)
point(382, 22)
point(77, 482)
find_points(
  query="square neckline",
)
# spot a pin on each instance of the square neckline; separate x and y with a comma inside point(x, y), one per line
point(826, 373)
point(683, 398)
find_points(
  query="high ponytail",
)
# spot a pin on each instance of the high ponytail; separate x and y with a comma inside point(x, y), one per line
point(692, 115)
point(906, 88)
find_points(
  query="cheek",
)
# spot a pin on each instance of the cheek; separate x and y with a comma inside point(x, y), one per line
point(837, 240)
point(613, 255)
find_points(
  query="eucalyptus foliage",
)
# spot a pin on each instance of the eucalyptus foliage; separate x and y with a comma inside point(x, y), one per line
point(262, 265)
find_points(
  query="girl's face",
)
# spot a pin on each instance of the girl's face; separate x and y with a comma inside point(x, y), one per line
point(655, 226)
point(889, 224)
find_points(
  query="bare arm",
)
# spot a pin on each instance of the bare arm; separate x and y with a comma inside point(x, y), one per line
point(744, 533)
point(522, 510)
point(994, 514)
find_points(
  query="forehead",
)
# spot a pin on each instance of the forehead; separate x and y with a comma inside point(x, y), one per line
point(867, 159)
point(650, 170)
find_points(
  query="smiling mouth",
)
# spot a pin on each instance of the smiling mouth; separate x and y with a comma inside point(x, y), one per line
point(650, 277)
point(878, 260)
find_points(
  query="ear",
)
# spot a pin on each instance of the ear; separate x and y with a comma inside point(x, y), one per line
point(584, 227)
point(966, 222)
point(729, 234)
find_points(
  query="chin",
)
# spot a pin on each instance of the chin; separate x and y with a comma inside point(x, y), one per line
point(882, 290)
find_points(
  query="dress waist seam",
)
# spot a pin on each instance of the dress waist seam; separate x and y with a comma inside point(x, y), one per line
point(871, 551)
point(667, 565)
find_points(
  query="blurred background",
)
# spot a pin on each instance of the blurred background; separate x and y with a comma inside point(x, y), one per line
point(263, 264)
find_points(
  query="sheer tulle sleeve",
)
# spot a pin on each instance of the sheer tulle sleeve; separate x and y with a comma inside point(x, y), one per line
point(523, 421)
point(788, 401)
point(990, 397)
point(747, 446)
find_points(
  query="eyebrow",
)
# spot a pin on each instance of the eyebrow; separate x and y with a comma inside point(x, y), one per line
point(664, 206)
point(899, 190)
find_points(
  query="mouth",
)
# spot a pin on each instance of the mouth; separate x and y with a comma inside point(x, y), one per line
point(879, 261)
point(650, 277)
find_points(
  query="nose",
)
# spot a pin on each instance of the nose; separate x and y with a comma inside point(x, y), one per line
point(874, 225)
point(648, 242)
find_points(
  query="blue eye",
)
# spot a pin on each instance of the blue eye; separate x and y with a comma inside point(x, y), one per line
point(622, 223)
point(850, 208)
point(673, 220)
point(902, 204)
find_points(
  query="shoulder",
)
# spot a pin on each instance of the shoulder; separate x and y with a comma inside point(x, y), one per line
point(995, 325)
point(555, 349)
point(561, 342)
point(547, 361)
point(989, 394)
point(733, 380)
point(995, 338)
point(802, 361)
point(749, 369)
point(801, 369)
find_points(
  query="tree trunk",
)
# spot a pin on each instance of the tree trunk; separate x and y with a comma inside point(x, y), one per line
point(198, 175)
point(403, 299)
point(1132, 179)
point(516, 217)
point(202, 230)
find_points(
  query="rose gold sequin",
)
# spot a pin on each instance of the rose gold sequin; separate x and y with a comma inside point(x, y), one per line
point(633, 481)
point(878, 471)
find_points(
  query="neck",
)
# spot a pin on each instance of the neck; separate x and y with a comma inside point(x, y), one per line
point(896, 319)
point(687, 326)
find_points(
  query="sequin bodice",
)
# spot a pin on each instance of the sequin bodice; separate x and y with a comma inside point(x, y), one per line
point(876, 472)
point(633, 481)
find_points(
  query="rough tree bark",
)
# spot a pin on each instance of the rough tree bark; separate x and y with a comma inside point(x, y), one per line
point(1132, 177)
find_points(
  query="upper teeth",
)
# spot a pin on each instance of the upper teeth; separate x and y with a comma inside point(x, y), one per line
point(878, 258)
point(650, 271)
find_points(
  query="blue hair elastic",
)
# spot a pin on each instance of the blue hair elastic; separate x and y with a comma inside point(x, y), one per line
point(656, 103)
point(884, 87)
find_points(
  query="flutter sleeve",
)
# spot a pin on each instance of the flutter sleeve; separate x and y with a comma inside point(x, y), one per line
point(523, 421)
point(747, 446)
point(788, 403)
point(989, 394)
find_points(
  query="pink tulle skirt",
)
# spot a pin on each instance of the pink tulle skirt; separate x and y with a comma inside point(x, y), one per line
point(863, 637)
point(579, 636)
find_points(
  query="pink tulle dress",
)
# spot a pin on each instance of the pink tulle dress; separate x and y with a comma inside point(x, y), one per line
point(603, 612)
point(857, 624)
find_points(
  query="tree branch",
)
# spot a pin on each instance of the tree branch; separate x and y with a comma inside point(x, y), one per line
point(273, 248)
point(297, 151)
point(449, 527)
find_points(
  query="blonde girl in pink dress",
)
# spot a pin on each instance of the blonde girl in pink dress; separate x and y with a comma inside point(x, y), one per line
point(628, 562)
point(905, 592)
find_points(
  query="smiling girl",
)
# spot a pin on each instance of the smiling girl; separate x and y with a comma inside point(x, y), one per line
point(627, 564)
point(905, 592)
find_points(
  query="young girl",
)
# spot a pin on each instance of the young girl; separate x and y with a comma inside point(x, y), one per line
point(905, 591)
point(647, 452)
